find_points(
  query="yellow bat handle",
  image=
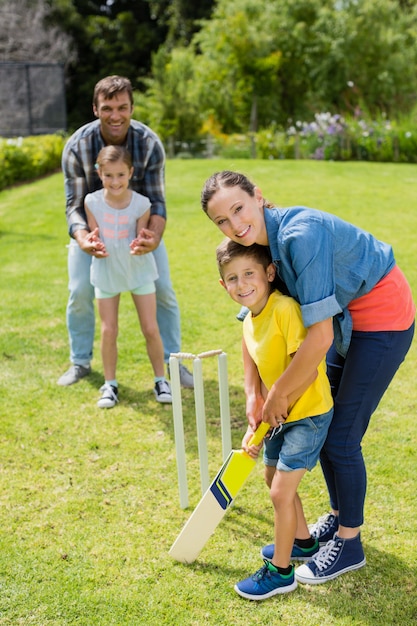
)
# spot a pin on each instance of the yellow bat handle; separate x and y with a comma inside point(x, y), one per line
point(259, 434)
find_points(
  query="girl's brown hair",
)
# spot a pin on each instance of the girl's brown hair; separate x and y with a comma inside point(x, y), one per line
point(111, 154)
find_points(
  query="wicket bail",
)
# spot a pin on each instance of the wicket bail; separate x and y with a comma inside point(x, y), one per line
point(200, 415)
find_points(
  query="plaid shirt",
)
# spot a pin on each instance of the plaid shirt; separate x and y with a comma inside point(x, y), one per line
point(80, 176)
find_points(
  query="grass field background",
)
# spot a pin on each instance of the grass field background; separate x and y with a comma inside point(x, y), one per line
point(89, 498)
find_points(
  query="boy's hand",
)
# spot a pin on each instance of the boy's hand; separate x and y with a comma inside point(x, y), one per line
point(254, 406)
point(253, 451)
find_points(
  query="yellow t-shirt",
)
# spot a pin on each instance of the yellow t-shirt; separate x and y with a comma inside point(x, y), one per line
point(271, 338)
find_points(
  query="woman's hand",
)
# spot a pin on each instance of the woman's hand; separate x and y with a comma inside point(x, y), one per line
point(275, 410)
point(300, 374)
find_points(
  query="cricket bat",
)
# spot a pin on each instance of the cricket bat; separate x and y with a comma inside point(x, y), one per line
point(215, 502)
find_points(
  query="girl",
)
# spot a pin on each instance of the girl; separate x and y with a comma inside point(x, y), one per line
point(357, 307)
point(116, 216)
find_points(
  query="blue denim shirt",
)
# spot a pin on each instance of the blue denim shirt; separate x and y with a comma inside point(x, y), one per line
point(325, 263)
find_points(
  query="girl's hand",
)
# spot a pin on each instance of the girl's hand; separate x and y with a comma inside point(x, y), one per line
point(134, 247)
point(93, 245)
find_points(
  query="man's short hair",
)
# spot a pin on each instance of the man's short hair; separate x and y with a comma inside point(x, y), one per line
point(111, 86)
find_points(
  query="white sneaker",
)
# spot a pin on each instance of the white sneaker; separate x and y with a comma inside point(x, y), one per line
point(162, 392)
point(108, 397)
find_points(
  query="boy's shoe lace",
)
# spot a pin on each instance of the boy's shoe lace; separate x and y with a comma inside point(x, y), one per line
point(265, 583)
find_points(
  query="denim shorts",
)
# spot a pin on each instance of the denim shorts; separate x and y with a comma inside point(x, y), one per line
point(297, 445)
point(144, 290)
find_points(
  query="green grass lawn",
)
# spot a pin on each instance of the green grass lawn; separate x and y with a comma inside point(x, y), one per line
point(89, 498)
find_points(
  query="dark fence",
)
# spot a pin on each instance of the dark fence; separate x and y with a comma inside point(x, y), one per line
point(32, 99)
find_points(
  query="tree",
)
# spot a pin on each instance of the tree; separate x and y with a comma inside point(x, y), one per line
point(293, 58)
point(119, 36)
point(170, 106)
point(367, 59)
point(183, 19)
point(111, 37)
point(237, 62)
point(382, 48)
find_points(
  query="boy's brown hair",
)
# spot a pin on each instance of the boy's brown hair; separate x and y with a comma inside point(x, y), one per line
point(229, 250)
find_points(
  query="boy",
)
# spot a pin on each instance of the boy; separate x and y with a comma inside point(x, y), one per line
point(272, 333)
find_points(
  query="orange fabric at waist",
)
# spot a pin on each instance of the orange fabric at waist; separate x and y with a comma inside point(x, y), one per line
point(388, 306)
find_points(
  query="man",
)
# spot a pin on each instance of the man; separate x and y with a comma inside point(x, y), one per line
point(113, 107)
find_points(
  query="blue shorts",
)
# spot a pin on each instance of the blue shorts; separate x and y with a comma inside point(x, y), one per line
point(297, 445)
point(144, 290)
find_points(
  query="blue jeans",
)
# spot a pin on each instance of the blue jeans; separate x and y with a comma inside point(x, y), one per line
point(80, 307)
point(358, 383)
point(297, 445)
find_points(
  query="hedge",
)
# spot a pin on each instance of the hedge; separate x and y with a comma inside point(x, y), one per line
point(327, 137)
point(26, 158)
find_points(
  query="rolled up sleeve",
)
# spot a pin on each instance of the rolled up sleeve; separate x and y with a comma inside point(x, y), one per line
point(319, 311)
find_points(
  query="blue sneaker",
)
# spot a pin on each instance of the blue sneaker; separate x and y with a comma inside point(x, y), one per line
point(337, 557)
point(266, 583)
point(297, 554)
point(325, 528)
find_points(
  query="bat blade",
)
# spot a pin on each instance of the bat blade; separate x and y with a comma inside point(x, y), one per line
point(215, 502)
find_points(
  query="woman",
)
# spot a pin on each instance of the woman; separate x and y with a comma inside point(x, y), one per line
point(357, 307)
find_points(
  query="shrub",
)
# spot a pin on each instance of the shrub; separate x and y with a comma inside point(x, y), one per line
point(332, 137)
point(26, 158)
point(233, 146)
point(326, 137)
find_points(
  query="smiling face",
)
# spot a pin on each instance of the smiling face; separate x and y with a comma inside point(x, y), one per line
point(248, 282)
point(114, 115)
point(115, 176)
point(239, 215)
